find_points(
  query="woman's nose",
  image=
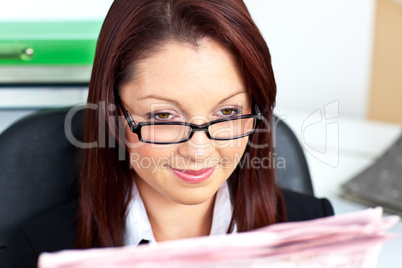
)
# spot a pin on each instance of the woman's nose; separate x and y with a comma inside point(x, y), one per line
point(198, 148)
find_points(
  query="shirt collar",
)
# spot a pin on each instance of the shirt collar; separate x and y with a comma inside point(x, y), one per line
point(222, 211)
point(139, 228)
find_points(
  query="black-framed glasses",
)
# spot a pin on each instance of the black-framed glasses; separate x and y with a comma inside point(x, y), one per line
point(177, 132)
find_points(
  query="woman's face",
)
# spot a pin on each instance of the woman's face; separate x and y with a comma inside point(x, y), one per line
point(182, 82)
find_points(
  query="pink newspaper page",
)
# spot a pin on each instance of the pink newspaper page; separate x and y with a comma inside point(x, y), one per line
point(348, 240)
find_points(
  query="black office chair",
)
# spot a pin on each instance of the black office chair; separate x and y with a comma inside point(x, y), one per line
point(294, 175)
point(39, 167)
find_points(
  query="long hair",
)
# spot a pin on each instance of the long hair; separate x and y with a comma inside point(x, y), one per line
point(132, 30)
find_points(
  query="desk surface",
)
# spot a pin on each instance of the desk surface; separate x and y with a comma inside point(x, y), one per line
point(360, 142)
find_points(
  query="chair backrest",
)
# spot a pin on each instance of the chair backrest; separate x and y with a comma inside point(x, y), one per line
point(291, 169)
point(39, 167)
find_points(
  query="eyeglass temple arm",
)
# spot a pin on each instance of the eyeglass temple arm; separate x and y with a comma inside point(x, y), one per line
point(127, 115)
point(257, 109)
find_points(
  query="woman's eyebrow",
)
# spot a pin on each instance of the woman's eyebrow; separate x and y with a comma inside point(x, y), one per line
point(152, 96)
point(231, 96)
point(175, 102)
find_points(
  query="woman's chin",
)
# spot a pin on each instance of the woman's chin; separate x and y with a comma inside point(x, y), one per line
point(192, 199)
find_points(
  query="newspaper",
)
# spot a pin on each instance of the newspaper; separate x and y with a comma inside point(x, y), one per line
point(348, 240)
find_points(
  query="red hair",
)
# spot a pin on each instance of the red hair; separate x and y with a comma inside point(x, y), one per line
point(132, 30)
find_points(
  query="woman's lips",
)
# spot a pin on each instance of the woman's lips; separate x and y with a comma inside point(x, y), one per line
point(193, 176)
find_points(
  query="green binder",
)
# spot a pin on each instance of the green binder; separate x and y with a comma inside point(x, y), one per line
point(41, 52)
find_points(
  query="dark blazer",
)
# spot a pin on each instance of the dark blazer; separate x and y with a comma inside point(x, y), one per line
point(56, 230)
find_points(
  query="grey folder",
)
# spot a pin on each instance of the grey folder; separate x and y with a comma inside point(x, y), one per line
point(381, 183)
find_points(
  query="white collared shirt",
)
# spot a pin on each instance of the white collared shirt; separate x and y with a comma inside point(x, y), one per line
point(138, 226)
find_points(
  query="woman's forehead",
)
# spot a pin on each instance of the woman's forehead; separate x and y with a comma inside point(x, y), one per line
point(186, 73)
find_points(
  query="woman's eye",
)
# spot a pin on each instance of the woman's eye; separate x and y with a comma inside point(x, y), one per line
point(162, 116)
point(229, 112)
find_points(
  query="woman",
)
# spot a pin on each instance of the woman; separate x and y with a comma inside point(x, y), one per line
point(158, 64)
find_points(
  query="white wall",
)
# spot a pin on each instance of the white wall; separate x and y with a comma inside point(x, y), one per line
point(321, 49)
point(53, 9)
